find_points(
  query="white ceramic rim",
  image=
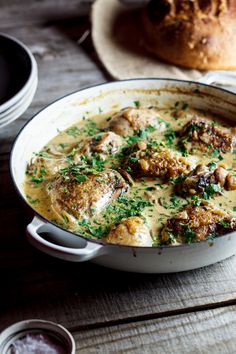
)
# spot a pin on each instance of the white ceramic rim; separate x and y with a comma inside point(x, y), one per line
point(4, 115)
point(100, 242)
point(33, 73)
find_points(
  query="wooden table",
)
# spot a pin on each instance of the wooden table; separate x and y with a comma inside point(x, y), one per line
point(107, 311)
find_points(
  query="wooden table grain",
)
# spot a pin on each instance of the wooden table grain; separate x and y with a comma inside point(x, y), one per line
point(106, 311)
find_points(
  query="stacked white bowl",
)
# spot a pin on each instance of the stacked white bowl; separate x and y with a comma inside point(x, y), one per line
point(18, 79)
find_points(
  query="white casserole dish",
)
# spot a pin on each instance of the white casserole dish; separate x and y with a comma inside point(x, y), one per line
point(61, 114)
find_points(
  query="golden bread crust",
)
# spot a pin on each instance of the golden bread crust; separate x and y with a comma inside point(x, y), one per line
point(199, 34)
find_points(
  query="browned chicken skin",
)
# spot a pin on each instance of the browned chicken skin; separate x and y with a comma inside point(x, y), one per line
point(130, 232)
point(203, 181)
point(205, 135)
point(131, 119)
point(157, 162)
point(196, 223)
point(80, 198)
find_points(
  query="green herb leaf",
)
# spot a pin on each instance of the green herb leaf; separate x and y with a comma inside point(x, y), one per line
point(210, 190)
point(188, 233)
point(81, 178)
point(170, 136)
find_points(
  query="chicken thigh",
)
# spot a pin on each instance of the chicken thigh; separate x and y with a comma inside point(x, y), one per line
point(130, 119)
point(83, 196)
point(157, 162)
point(197, 223)
point(205, 135)
point(131, 231)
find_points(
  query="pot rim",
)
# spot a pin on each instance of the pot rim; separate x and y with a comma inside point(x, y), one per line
point(100, 242)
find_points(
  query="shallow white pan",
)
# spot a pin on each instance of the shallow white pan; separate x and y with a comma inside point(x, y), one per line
point(57, 242)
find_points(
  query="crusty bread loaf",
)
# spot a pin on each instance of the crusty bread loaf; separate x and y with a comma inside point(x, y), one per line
point(199, 34)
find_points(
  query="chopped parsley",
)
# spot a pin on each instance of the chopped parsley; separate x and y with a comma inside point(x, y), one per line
point(81, 178)
point(216, 154)
point(182, 148)
point(185, 106)
point(170, 136)
point(88, 165)
point(132, 139)
point(196, 200)
point(32, 200)
point(210, 190)
point(143, 133)
point(125, 207)
point(175, 202)
point(90, 128)
point(137, 104)
point(133, 159)
point(178, 179)
point(212, 166)
point(62, 145)
point(188, 233)
point(225, 224)
point(41, 154)
point(73, 131)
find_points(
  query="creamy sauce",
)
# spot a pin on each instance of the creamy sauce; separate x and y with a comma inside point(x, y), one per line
point(163, 202)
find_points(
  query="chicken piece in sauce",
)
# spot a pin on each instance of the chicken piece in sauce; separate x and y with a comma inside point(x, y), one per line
point(45, 167)
point(106, 143)
point(83, 196)
point(51, 161)
point(157, 162)
point(130, 120)
point(197, 223)
point(203, 134)
point(131, 231)
point(205, 181)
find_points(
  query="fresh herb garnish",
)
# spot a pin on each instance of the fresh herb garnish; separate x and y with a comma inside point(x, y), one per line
point(178, 179)
point(143, 133)
point(137, 104)
point(185, 106)
point(170, 136)
point(89, 129)
point(62, 145)
point(39, 175)
point(224, 223)
point(210, 190)
point(125, 207)
point(215, 152)
point(41, 154)
point(175, 202)
point(32, 200)
point(73, 131)
point(88, 165)
point(212, 166)
point(81, 178)
point(196, 200)
point(188, 233)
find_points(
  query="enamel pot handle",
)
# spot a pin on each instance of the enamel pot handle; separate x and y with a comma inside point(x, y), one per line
point(60, 243)
point(223, 78)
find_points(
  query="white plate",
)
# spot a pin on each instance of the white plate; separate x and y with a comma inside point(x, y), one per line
point(19, 111)
point(18, 72)
point(4, 116)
